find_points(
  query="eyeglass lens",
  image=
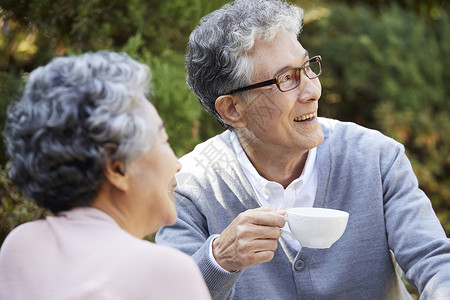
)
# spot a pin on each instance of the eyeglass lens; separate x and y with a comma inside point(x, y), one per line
point(290, 79)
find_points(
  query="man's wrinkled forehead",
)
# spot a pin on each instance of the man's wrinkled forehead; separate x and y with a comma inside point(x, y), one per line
point(269, 58)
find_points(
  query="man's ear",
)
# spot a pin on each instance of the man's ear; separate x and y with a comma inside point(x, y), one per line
point(231, 108)
point(116, 175)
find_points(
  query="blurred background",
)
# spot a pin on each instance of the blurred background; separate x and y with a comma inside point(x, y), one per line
point(386, 66)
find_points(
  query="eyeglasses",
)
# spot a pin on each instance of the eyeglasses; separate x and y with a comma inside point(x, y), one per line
point(289, 79)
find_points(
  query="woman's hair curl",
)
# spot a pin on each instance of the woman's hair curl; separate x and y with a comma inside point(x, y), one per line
point(71, 110)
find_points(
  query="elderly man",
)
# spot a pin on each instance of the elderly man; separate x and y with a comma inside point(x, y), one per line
point(249, 71)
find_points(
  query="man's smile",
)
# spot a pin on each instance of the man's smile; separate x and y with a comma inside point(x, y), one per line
point(306, 117)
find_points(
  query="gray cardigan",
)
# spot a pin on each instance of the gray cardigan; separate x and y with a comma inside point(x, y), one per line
point(362, 172)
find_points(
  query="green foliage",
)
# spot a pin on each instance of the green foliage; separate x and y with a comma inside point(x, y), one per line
point(153, 32)
point(176, 104)
point(372, 57)
point(88, 25)
point(389, 69)
point(411, 5)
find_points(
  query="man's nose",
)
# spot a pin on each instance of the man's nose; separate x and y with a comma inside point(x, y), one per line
point(309, 89)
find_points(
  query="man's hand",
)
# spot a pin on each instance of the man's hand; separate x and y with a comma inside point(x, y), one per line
point(250, 239)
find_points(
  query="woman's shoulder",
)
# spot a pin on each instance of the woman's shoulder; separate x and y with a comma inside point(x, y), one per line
point(165, 271)
point(24, 234)
point(154, 260)
point(160, 255)
point(20, 242)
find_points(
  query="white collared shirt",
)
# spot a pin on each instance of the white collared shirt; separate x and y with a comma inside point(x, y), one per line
point(299, 193)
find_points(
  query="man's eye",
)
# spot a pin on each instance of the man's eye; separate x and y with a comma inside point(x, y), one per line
point(285, 77)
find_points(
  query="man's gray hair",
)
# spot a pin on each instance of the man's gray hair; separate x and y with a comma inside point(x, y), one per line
point(71, 110)
point(217, 59)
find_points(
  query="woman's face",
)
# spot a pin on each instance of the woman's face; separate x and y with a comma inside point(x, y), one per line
point(153, 175)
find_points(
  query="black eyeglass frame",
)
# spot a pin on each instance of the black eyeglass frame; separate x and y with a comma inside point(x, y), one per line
point(274, 80)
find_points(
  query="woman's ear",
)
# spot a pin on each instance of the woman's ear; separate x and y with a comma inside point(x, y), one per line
point(116, 175)
point(231, 108)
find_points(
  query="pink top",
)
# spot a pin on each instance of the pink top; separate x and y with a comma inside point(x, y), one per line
point(84, 254)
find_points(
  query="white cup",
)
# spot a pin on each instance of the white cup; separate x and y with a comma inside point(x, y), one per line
point(316, 227)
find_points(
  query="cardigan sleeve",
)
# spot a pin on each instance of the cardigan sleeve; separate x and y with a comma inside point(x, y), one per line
point(415, 234)
point(190, 235)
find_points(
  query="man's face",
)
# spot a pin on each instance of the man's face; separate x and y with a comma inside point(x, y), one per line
point(283, 121)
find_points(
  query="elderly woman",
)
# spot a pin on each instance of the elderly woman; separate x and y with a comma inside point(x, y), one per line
point(87, 144)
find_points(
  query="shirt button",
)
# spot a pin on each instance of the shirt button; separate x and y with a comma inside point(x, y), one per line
point(299, 265)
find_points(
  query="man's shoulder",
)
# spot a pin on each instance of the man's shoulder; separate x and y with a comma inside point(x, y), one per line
point(349, 145)
point(351, 134)
point(208, 153)
point(336, 127)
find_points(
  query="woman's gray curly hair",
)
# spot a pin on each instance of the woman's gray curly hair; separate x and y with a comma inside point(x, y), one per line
point(217, 60)
point(73, 109)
